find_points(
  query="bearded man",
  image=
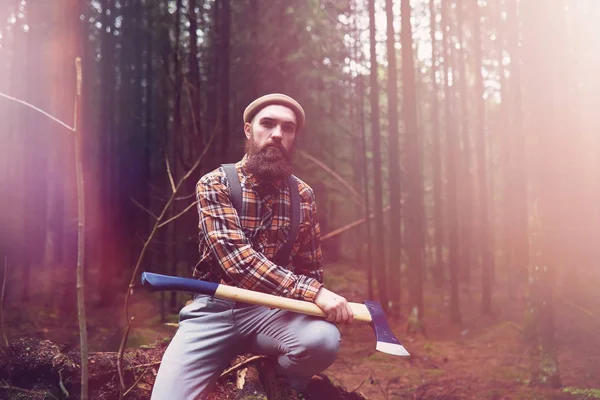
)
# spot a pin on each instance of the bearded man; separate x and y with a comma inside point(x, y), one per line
point(240, 249)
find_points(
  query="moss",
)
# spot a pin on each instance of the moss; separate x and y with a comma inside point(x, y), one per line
point(579, 393)
point(428, 347)
point(377, 357)
point(138, 340)
point(435, 373)
point(509, 373)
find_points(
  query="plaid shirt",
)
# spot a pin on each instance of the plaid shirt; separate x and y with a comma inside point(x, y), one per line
point(238, 250)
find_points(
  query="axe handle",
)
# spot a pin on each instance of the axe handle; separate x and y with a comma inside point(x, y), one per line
point(361, 313)
point(165, 282)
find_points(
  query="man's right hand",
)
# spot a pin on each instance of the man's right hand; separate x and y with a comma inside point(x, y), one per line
point(336, 307)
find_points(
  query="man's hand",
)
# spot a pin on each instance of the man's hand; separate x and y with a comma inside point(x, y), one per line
point(336, 307)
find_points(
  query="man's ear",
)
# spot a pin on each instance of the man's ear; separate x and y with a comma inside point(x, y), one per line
point(248, 130)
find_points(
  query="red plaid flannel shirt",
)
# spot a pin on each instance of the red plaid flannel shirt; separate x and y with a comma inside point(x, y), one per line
point(239, 250)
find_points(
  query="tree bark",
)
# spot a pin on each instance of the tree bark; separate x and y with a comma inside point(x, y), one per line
point(484, 242)
point(517, 170)
point(379, 259)
point(394, 183)
point(414, 208)
point(544, 124)
point(194, 80)
point(175, 146)
point(105, 162)
point(465, 161)
point(224, 50)
point(436, 158)
point(451, 161)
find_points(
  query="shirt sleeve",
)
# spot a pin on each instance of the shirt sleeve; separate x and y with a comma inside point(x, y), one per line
point(220, 228)
point(308, 258)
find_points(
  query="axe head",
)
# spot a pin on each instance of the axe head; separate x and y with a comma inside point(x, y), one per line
point(386, 341)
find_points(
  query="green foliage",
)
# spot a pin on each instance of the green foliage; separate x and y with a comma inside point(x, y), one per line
point(589, 393)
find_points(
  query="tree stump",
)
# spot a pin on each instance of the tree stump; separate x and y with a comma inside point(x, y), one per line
point(35, 369)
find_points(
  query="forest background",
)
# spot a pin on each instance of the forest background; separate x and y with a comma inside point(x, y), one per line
point(452, 146)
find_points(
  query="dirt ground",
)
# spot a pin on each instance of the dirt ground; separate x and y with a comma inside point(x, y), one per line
point(482, 358)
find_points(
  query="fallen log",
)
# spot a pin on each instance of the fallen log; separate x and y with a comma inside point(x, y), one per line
point(40, 369)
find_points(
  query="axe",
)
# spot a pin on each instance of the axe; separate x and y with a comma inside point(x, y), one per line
point(370, 311)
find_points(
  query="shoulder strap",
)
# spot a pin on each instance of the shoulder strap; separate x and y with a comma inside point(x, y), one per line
point(283, 255)
point(234, 186)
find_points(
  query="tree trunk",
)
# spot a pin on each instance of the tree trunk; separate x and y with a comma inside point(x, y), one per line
point(436, 161)
point(465, 162)
point(484, 240)
point(500, 181)
point(62, 50)
point(414, 207)
point(366, 187)
point(394, 184)
point(105, 161)
point(379, 259)
point(362, 243)
point(517, 208)
point(255, 83)
point(544, 125)
point(223, 79)
point(451, 161)
point(194, 80)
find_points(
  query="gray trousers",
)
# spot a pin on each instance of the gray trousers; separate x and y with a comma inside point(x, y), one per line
point(213, 331)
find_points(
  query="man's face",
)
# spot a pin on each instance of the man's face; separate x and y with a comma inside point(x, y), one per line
point(271, 136)
point(273, 125)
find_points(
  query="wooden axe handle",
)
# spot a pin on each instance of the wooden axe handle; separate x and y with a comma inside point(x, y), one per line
point(361, 313)
point(164, 282)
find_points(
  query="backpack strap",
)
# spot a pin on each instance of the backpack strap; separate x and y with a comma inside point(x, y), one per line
point(234, 186)
point(283, 255)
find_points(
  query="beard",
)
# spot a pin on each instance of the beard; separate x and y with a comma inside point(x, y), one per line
point(270, 162)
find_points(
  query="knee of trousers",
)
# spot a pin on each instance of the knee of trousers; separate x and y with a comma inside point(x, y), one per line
point(319, 343)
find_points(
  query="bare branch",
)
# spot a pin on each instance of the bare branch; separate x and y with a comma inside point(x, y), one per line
point(332, 173)
point(34, 392)
point(189, 98)
point(178, 215)
point(170, 174)
point(53, 118)
point(189, 196)
point(134, 201)
point(137, 380)
point(2, 301)
point(158, 194)
point(154, 364)
point(333, 186)
point(80, 286)
point(145, 248)
point(121, 350)
point(350, 226)
point(241, 364)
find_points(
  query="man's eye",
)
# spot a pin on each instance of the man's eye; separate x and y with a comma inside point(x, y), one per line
point(267, 124)
point(288, 129)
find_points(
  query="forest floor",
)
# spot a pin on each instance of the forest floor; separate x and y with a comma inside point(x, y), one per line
point(484, 357)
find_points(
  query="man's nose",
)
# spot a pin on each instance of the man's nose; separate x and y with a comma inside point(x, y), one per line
point(276, 133)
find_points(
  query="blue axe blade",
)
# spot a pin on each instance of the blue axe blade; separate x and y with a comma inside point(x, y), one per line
point(387, 342)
